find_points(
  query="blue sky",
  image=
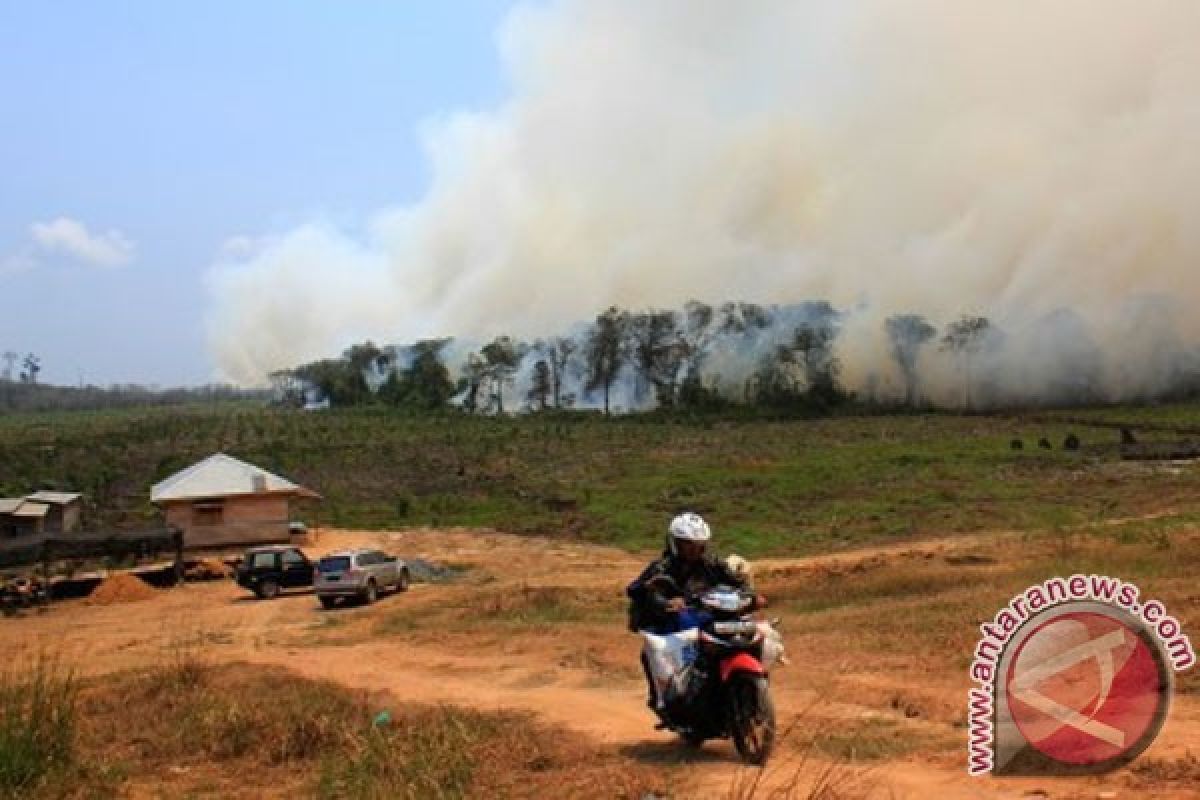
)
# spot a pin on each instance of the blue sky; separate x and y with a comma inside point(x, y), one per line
point(139, 137)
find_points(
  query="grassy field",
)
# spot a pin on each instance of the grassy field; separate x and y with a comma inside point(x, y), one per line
point(796, 486)
point(1181, 416)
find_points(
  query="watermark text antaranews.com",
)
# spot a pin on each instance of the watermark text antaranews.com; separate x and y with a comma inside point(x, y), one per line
point(1057, 591)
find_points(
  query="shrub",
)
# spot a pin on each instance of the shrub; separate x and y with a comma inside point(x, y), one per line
point(37, 725)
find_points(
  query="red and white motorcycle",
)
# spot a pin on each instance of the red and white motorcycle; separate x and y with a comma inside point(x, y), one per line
point(712, 678)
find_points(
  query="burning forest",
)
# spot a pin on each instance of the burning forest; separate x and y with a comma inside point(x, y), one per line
point(906, 163)
point(787, 357)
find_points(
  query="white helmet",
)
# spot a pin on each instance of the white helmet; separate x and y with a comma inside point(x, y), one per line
point(689, 527)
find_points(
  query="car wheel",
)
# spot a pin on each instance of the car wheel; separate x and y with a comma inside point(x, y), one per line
point(267, 589)
point(402, 584)
point(371, 594)
point(328, 602)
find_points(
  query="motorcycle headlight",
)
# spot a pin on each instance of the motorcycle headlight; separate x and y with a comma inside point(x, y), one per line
point(726, 600)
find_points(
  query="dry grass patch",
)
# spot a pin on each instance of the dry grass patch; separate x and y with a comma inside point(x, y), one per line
point(926, 611)
point(516, 608)
point(825, 589)
point(802, 770)
point(536, 606)
point(1157, 771)
point(872, 737)
point(241, 728)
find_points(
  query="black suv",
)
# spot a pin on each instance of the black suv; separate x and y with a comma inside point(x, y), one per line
point(268, 570)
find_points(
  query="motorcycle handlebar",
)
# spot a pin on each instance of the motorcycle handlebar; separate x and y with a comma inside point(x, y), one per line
point(692, 601)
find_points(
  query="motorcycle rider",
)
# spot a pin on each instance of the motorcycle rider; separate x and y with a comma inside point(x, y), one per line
point(660, 606)
point(692, 570)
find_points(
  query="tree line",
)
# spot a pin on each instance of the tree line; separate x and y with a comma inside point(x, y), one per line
point(784, 359)
point(28, 396)
point(21, 390)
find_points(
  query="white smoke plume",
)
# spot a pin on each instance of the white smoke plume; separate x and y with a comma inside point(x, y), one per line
point(1035, 163)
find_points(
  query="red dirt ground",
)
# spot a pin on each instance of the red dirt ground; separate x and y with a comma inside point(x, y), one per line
point(579, 675)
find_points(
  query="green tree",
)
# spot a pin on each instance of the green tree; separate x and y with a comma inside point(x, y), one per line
point(559, 353)
point(424, 384)
point(658, 351)
point(472, 382)
point(334, 379)
point(907, 334)
point(606, 351)
point(696, 331)
point(540, 387)
point(500, 358)
point(803, 372)
point(812, 347)
point(429, 381)
point(965, 337)
point(695, 395)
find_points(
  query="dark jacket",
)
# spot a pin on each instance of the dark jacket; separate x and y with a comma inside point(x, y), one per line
point(648, 599)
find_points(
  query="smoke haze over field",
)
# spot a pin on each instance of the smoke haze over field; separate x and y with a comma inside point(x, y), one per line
point(1032, 163)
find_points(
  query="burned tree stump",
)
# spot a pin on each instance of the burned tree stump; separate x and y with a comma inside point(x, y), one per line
point(1185, 450)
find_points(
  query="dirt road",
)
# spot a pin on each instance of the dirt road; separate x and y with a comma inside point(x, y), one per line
point(429, 645)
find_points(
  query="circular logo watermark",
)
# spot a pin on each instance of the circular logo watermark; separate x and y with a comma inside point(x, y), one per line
point(1075, 676)
point(1088, 688)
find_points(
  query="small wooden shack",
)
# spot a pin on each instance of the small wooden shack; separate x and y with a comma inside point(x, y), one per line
point(225, 502)
point(21, 518)
point(40, 512)
point(64, 510)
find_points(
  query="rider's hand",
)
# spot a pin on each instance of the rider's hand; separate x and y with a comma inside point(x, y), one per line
point(676, 604)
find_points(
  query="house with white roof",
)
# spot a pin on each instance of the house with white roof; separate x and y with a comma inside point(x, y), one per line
point(225, 502)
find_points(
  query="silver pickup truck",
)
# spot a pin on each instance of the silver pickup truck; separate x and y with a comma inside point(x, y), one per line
point(361, 574)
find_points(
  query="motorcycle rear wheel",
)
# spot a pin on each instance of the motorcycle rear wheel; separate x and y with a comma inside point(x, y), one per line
point(752, 720)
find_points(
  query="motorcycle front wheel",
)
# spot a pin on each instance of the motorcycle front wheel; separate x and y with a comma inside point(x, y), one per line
point(752, 717)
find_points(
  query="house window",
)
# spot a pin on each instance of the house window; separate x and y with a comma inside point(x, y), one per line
point(208, 512)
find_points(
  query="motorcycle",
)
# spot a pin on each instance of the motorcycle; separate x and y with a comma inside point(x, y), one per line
point(711, 678)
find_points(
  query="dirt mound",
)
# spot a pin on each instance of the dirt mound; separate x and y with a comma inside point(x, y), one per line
point(122, 588)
